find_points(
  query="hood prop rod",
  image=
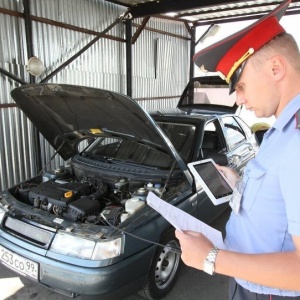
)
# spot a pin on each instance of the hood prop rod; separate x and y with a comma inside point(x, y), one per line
point(168, 179)
point(49, 161)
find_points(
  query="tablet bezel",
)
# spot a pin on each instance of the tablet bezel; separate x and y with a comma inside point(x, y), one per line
point(201, 183)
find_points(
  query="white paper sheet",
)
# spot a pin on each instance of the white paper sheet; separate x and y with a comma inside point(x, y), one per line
point(9, 286)
point(183, 221)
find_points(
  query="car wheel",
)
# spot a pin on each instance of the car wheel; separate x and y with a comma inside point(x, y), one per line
point(164, 268)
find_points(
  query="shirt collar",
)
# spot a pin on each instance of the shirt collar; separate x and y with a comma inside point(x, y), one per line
point(287, 114)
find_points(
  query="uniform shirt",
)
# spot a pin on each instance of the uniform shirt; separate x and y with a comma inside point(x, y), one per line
point(270, 207)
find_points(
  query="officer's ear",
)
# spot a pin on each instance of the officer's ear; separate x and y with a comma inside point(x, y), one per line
point(278, 67)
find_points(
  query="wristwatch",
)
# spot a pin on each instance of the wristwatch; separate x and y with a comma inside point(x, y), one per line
point(209, 262)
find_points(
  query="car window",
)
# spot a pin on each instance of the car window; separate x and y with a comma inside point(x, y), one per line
point(212, 140)
point(201, 93)
point(210, 127)
point(246, 128)
point(234, 131)
point(182, 137)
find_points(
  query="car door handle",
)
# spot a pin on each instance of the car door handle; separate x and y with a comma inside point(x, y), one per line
point(249, 146)
point(236, 158)
point(244, 153)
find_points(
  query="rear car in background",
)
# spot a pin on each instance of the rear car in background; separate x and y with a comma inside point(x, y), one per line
point(211, 117)
point(85, 229)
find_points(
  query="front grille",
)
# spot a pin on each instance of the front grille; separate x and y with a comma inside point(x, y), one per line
point(28, 232)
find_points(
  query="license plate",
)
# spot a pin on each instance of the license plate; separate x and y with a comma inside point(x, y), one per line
point(18, 263)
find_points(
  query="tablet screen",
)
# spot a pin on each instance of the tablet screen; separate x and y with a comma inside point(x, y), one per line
point(213, 179)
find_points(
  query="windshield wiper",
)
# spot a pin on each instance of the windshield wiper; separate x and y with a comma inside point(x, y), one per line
point(103, 159)
point(132, 164)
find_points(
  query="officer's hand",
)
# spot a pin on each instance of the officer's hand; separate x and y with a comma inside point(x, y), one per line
point(231, 175)
point(195, 248)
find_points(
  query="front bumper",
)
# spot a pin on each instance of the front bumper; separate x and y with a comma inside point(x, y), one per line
point(115, 281)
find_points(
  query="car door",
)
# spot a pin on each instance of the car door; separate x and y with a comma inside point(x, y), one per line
point(213, 142)
point(241, 146)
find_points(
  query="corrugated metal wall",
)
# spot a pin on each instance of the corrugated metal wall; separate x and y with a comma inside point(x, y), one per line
point(160, 68)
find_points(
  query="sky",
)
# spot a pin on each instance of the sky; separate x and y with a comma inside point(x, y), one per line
point(290, 24)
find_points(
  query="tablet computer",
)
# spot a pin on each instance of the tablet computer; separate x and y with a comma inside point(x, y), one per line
point(211, 180)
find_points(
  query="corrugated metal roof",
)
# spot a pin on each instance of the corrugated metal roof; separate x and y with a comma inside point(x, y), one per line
point(205, 12)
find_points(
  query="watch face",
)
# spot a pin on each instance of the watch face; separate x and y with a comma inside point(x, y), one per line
point(208, 267)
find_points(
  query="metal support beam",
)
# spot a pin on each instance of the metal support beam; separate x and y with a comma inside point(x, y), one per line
point(140, 29)
point(87, 46)
point(192, 53)
point(32, 79)
point(12, 76)
point(190, 31)
point(128, 26)
point(28, 33)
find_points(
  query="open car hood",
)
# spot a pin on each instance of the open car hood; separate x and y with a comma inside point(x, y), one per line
point(207, 95)
point(67, 114)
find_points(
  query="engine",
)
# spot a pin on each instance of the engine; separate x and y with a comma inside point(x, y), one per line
point(83, 200)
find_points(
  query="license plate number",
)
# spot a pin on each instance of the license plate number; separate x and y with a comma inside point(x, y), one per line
point(18, 263)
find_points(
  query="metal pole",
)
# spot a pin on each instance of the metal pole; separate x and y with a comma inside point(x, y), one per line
point(28, 33)
point(32, 79)
point(192, 53)
point(15, 78)
point(128, 25)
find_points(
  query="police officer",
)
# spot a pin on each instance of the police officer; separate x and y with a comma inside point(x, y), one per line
point(261, 63)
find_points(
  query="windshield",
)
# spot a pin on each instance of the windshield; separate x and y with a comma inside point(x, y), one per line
point(182, 137)
point(128, 151)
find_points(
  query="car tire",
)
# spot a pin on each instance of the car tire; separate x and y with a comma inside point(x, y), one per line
point(164, 269)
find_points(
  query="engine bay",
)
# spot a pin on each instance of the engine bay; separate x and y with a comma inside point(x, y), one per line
point(60, 193)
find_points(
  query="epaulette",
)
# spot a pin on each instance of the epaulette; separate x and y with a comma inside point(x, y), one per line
point(297, 115)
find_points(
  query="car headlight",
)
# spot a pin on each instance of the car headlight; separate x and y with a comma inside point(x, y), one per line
point(77, 246)
point(108, 249)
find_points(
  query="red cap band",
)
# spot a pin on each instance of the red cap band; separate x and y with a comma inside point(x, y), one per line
point(256, 38)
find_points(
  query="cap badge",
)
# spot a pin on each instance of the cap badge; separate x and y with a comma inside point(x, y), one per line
point(238, 63)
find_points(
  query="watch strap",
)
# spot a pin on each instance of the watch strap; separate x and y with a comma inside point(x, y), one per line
point(212, 255)
point(209, 262)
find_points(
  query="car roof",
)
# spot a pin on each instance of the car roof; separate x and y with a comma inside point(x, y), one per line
point(177, 114)
point(193, 115)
